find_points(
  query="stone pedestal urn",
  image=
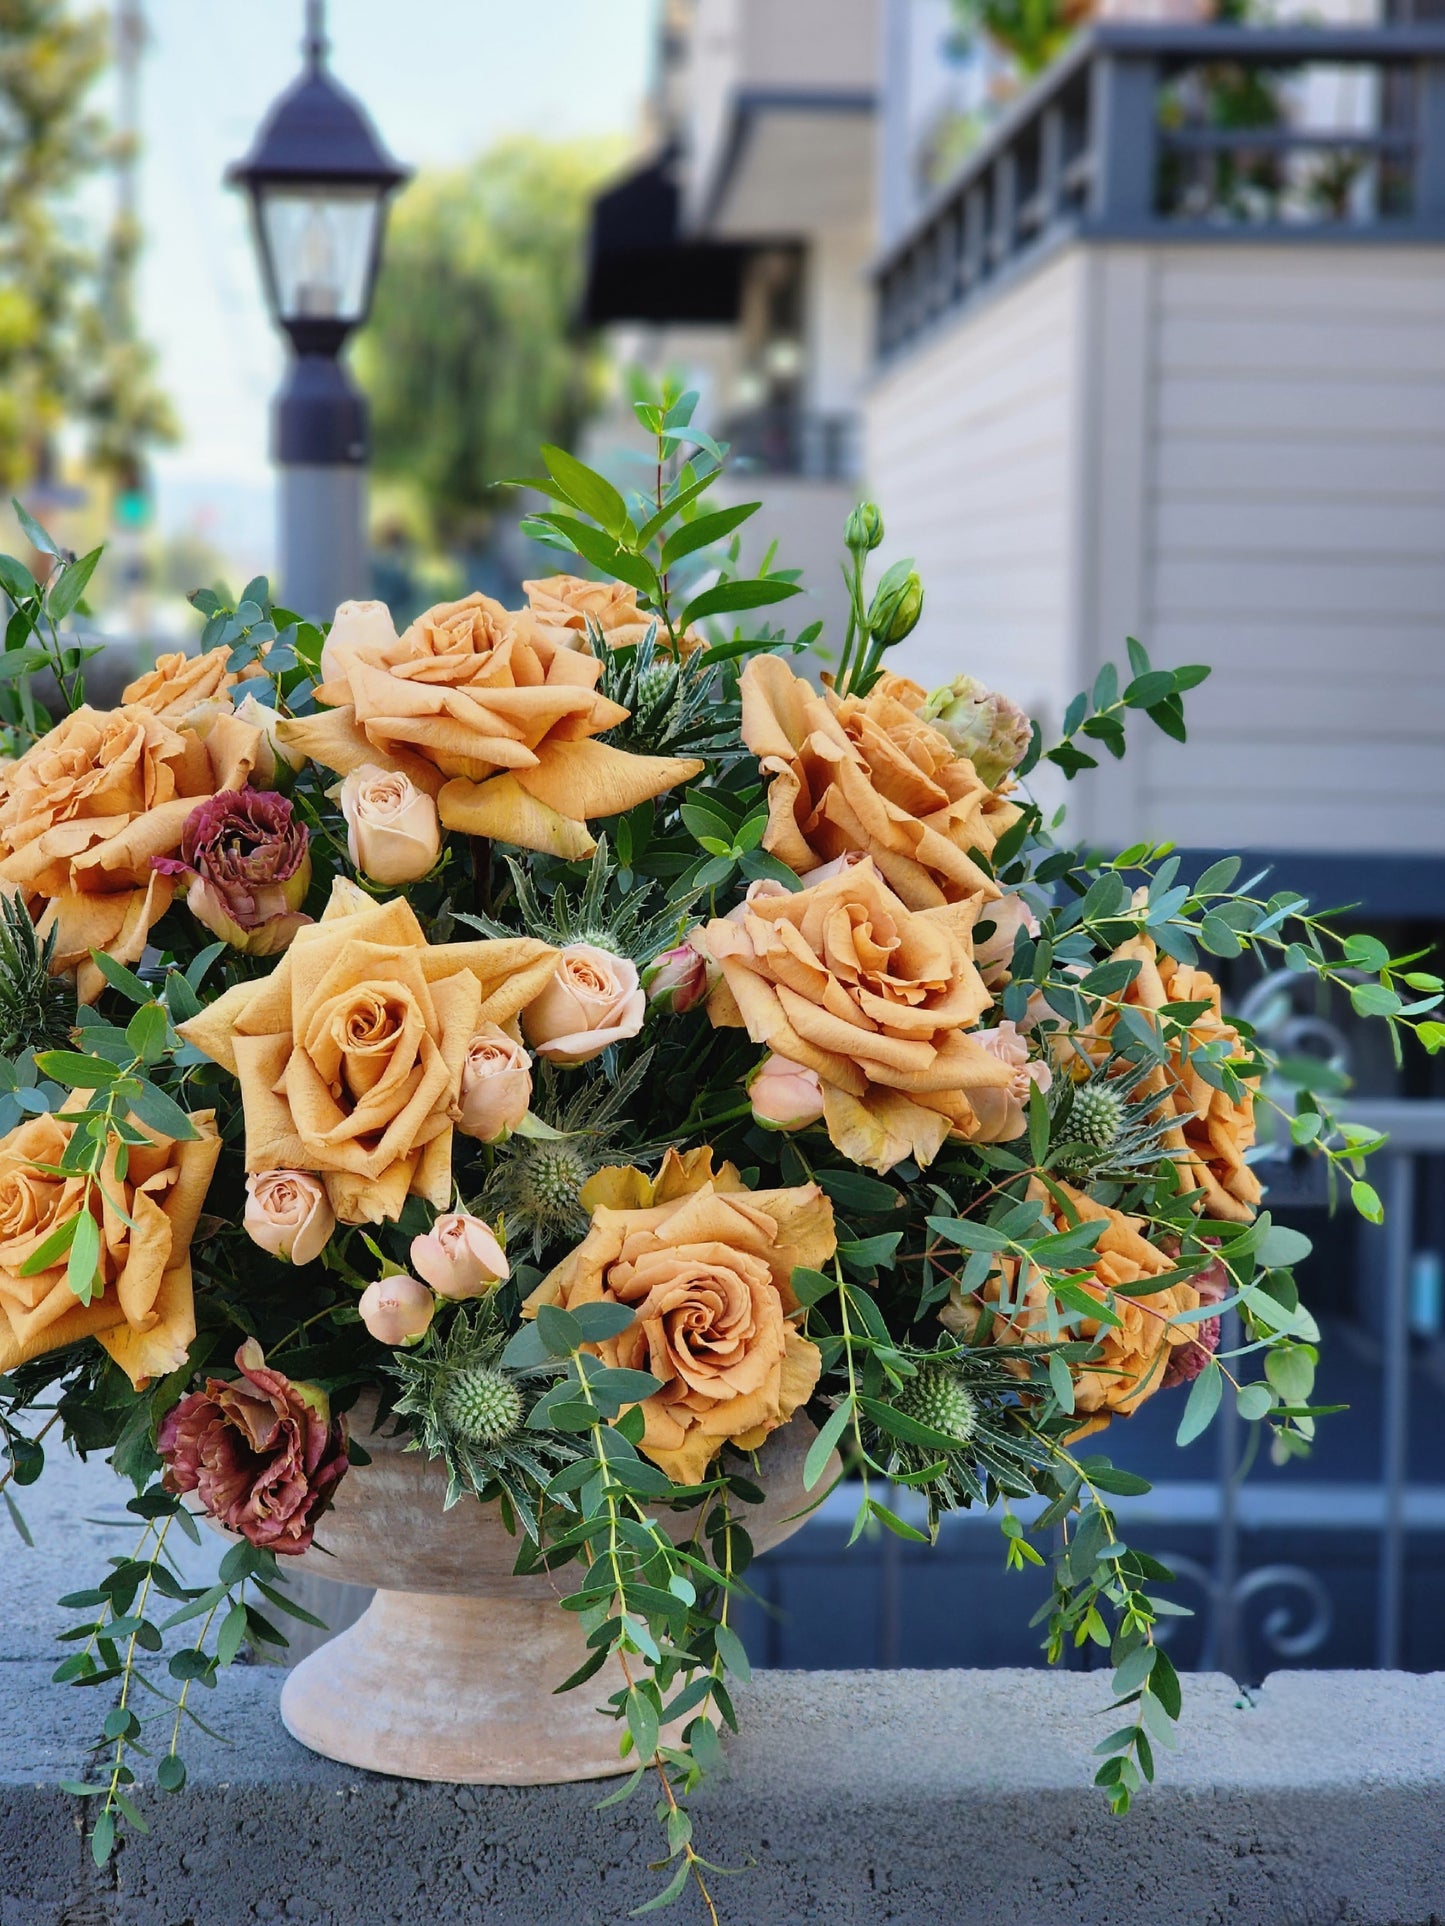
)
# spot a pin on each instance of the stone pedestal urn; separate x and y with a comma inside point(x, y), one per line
point(450, 1673)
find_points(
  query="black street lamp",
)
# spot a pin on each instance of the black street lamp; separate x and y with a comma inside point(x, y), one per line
point(319, 180)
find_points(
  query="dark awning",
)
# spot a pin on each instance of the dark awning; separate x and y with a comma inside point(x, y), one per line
point(640, 268)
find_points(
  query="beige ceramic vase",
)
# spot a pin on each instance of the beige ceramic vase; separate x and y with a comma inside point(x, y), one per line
point(451, 1672)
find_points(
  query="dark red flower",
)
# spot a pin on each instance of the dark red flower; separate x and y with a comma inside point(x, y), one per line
point(264, 1455)
point(1187, 1360)
point(245, 867)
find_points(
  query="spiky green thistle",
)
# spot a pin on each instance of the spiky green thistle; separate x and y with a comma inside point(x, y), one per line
point(466, 1408)
point(1110, 1128)
point(970, 1398)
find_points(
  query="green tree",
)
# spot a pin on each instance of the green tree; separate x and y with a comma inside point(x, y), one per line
point(68, 345)
point(473, 355)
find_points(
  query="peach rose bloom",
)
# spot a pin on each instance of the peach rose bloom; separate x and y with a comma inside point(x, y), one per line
point(288, 1215)
point(89, 805)
point(845, 980)
point(565, 606)
point(355, 625)
point(1129, 1360)
point(272, 752)
point(460, 1256)
point(350, 1052)
point(593, 999)
point(392, 831)
point(491, 717)
point(496, 1086)
point(868, 774)
point(784, 1095)
point(1004, 1113)
point(180, 685)
point(1008, 916)
point(1215, 1130)
point(707, 1266)
point(144, 1315)
point(397, 1310)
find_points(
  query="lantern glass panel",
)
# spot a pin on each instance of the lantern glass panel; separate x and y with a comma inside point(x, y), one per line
point(320, 239)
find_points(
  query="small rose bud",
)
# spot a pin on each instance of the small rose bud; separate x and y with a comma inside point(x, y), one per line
point(991, 731)
point(356, 625)
point(677, 980)
point(785, 1095)
point(460, 1256)
point(897, 604)
point(864, 530)
point(287, 1214)
point(397, 1310)
point(393, 832)
point(496, 1086)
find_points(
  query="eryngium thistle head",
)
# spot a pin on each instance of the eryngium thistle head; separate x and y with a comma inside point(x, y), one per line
point(935, 1397)
point(549, 1176)
point(479, 1405)
point(1097, 1116)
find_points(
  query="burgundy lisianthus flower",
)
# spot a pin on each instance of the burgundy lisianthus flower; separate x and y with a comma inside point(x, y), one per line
point(1187, 1360)
point(245, 867)
point(264, 1455)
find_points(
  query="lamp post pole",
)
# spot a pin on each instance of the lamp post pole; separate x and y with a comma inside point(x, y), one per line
point(319, 181)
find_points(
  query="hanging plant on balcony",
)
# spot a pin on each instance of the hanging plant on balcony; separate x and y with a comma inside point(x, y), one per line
point(515, 1112)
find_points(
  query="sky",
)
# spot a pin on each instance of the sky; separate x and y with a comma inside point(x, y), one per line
point(443, 80)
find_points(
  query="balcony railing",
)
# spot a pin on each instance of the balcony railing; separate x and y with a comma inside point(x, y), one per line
point(1187, 133)
point(795, 441)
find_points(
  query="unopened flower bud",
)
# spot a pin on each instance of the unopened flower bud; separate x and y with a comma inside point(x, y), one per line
point(991, 731)
point(397, 1310)
point(865, 528)
point(897, 604)
point(460, 1256)
point(677, 980)
point(785, 1095)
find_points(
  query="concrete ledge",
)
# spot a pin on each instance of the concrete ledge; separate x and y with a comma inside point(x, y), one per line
point(920, 1798)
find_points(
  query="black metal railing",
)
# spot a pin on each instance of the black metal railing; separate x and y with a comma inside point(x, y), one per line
point(795, 441)
point(1200, 132)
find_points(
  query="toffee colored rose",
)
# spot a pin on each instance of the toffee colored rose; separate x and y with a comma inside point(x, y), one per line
point(350, 1052)
point(565, 605)
point(181, 686)
point(287, 1214)
point(397, 1310)
point(263, 1455)
point(143, 1313)
point(460, 1257)
point(593, 999)
point(87, 808)
point(707, 1266)
point(496, 1086)
point(784, 1095)
point(1130, 1359)
point(869, 774)
point(844, 979)
point(245, 869)
point(392, 831)
point(493, 718)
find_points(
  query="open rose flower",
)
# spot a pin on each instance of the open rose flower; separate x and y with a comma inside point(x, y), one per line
point(496, 1086)
point(845, 980)
point(350, 1052)
point(1004, 1113)
point(707, 1266)
point(567, 606)
point(182, 687)
point(869, 774)
point(287, 1214)
point(142, 1309)
point(593, 999)
point(1215, 1130)
point(263, 1455)
point(392, 831)
point(460, 1256)
point(397, 1309)
point(245, 870)
point(90, 806)
point(1130, 1359)
point(493, 718)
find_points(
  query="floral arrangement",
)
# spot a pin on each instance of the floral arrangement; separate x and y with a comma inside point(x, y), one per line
point(605, 1032)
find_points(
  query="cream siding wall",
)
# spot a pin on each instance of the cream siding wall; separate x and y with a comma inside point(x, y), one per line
point(969, 448)
point(1244, 463)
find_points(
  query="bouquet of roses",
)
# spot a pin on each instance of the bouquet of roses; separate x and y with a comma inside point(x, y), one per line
point(607, 1032)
